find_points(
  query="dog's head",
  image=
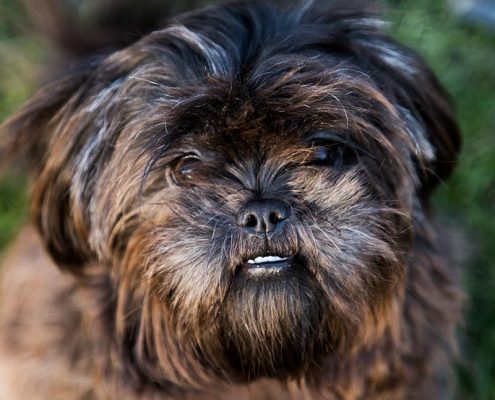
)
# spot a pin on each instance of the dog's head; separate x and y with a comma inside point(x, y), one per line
point(250, 179)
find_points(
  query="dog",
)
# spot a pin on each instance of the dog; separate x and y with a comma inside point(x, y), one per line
point(236, 205)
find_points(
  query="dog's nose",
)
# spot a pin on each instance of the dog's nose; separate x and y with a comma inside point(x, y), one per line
point(264, 217)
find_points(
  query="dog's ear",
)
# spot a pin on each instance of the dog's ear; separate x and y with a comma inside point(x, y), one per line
point(48, 133)
point(405, 78)
point(34, 137)
point(422, 103)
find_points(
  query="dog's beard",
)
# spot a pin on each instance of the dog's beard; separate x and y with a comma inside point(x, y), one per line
point(272, 326)
point(243, 325)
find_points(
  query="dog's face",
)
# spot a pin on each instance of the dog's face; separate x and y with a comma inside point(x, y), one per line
point(251, 185)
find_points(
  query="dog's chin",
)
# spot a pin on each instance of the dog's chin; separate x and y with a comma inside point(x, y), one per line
point(272, 319)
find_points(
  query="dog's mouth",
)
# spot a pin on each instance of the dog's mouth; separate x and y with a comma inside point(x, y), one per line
point(269, 264)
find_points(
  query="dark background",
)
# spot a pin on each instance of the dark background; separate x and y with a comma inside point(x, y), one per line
point(461, 49)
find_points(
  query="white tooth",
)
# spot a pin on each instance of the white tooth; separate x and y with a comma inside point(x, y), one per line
point(267, 259)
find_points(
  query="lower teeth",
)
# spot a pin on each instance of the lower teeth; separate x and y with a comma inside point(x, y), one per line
point(267, 259)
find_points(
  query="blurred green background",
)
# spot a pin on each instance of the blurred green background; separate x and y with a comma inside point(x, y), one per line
point(463, 56)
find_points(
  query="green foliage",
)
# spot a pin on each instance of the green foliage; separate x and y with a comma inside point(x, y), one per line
point(463, 57)
point(12, 206)
point(20, 56)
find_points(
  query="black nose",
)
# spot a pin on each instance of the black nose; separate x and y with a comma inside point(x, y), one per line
point(264, 217)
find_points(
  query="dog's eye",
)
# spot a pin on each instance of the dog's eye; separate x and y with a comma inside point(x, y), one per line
point(183, 168)
point(333, 154)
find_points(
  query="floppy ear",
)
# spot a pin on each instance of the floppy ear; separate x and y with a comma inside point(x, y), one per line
point(32, 136)
point(423, 104)
point(49, 132)
point(405, 79)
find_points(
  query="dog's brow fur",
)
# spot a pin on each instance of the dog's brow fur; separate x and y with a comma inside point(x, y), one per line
point(143, 160)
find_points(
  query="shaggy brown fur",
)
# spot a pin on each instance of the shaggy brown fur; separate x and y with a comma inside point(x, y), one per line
point(164, 171)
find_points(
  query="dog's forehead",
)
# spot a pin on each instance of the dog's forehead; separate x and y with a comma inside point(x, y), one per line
point(287, 113)
point(251, 129)
point(267, 88)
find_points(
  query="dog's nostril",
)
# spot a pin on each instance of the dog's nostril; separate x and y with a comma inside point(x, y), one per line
point(274, 217)
point(251, 221)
